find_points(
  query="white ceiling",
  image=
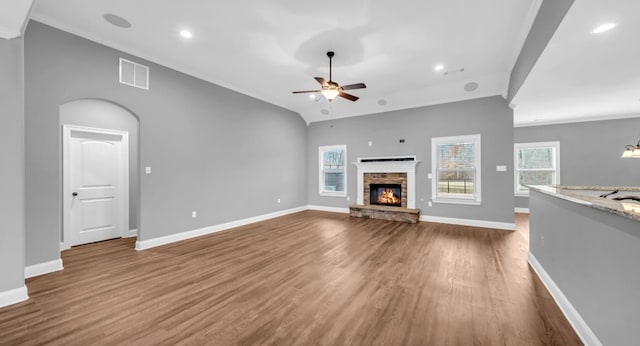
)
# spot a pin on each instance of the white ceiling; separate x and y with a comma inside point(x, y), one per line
point(13, 16)
point(583, 76)
point(269, 48)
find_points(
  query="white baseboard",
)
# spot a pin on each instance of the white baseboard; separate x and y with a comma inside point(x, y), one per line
point(468, 222)
point(132, 233)
point(579, 325)
point(13, 296)
point(521, 210)
point(147, 244)
point(43, 268)
point(330, 209)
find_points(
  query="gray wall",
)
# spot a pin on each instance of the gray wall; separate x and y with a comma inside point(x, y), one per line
point(490, 117)
point(12, 158)
point(106, 115)
point(548, 19)
point(592, 256)
point(589, 151)
point(223, 154)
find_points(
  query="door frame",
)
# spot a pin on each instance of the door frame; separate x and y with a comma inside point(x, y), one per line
point(123, 178)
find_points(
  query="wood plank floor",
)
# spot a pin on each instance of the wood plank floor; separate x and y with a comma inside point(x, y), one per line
point(311, 278)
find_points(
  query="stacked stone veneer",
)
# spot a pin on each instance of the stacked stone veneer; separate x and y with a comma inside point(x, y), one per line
point(385, 178)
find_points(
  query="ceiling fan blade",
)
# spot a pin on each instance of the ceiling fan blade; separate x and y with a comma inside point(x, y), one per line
point(349, 96)
point(353, 86)
point(306, 91)
point(320, 80)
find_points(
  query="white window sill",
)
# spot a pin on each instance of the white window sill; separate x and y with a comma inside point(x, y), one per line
point(521, 194)
point(333, 194)
point(457, 201)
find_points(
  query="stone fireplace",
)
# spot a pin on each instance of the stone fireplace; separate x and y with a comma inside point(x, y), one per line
point(386, 188)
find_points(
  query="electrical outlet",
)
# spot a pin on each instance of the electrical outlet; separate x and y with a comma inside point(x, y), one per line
point(348, 198)
point(194, 214)
point(147, 170)
point(278, 200)
point(541, 241)
point(430, 204)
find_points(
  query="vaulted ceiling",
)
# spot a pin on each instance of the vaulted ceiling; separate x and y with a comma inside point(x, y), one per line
point(266, 49)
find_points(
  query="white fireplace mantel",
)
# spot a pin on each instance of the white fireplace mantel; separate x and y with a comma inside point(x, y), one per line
point(408, 167)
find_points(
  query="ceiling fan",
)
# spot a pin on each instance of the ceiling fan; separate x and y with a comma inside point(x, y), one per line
point(330, 89)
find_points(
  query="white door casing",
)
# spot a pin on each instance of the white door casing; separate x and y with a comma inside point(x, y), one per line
point(95, 184)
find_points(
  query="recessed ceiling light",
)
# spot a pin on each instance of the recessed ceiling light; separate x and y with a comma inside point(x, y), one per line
point(117, 20)
point(186, 34)
point(382, 102)
point(324, 111)
point(439, 68)
point(604, 27)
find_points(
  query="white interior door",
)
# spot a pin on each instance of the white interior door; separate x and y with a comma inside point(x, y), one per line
point(96, 185)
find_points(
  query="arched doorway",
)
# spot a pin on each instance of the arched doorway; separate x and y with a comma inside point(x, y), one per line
point(100, 187)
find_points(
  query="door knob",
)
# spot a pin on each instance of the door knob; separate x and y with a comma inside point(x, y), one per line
point(74, 194)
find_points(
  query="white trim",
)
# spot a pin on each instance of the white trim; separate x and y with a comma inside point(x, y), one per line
point(575, 120)
point(329, 209)
point(469, 222)
point(454, 200)
point(132, 233)
point(581, 328)
point(521, 210)
point(150, 243)
point(43, 268)
point(123, 177)
point(408, 167)
point(477, 150)
point(14, 296)
point(321, 185)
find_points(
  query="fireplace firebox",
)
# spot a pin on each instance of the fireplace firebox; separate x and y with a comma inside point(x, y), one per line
point(386, 194)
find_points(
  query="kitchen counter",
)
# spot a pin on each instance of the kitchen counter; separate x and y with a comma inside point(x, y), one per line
point(586, 250)
point(589, 196)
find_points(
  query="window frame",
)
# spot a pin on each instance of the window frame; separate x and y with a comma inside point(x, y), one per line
point(532, 145)
point(321, 182)
point(476, 199)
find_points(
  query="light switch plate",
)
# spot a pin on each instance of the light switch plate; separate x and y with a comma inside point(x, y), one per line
point(147, 170)
point(501, 168)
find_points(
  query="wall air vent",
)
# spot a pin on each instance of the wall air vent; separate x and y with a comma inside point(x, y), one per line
point(133, 74)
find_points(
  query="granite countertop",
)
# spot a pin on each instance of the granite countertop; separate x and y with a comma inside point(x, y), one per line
point(589, 196)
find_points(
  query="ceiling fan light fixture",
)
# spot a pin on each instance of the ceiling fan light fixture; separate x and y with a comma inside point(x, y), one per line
point(330, 93)
point(631, 151)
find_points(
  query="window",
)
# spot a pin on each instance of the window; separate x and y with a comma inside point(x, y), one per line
point(536, 164)
point(455, 162)
point(333, 173)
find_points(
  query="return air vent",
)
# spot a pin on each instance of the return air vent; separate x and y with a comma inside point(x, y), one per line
point(133, 74)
